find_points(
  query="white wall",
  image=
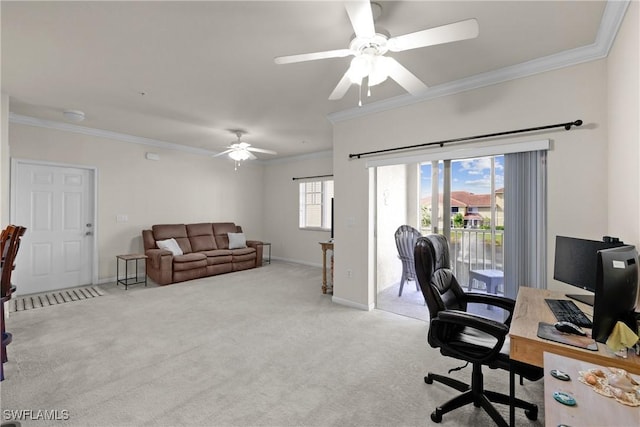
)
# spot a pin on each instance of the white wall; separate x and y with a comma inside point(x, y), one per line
point(179, 188)
point(577, 196)
point(623, 77)
point(391, 213)
point(623, 105)
point(281, 208)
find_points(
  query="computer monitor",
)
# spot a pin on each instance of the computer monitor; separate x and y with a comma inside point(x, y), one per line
point(616, 290)
point(575, 263)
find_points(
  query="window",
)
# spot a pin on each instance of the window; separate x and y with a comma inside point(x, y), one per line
point(315, 204)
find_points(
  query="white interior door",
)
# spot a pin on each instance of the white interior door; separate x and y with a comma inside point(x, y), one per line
point(56, 204)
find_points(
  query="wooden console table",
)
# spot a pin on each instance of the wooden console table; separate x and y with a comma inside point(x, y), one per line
point(326, 246)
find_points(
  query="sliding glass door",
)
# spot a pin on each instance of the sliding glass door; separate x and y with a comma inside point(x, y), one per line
point(464, 200)
point(491, 205)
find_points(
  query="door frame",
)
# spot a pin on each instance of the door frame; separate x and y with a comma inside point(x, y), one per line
point(93, 171)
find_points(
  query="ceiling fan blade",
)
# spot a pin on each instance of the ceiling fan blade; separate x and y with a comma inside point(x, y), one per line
point(343, 86)
point(338, 53)
point(251, 155)
point(223, 152)
point(404, 77)
point(462, 30)
point(361, 18)
point(261, 150)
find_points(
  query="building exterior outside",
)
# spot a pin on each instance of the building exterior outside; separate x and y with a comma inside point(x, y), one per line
point(474, 209)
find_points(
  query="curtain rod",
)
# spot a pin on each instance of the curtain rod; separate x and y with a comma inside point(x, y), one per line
point(309, 177)
point(566, 125)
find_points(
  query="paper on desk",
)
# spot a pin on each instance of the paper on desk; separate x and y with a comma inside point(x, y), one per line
point(621, 337)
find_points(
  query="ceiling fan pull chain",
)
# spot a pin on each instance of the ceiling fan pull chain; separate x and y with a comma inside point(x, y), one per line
point(360, 95)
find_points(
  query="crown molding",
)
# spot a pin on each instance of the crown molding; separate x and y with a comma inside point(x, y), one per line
point(609, 25)
point(84, 130)
point(307, 156)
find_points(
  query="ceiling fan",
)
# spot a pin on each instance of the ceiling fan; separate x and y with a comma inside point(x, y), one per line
point(240, 150)
point(369, 48)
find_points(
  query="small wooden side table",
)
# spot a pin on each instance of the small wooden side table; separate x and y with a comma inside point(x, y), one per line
point(326, 246)
point(126, 281)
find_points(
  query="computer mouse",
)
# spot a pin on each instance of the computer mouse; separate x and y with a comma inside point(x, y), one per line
point(569, 328)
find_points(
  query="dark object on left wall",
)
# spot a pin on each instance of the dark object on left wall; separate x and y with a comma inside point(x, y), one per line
point(9, 245)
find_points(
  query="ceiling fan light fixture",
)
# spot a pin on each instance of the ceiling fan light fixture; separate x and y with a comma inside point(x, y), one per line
point(239, 155)
point(359, 69)
point(379, 70)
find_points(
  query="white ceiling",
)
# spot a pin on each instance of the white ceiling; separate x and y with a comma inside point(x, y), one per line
point(206, 67)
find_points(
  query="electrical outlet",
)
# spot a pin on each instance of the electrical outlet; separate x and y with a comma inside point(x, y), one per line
point(122, 218)
point(349, 274)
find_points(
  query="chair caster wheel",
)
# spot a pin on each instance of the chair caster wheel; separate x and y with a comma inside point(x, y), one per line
point(532, 414)
point(436, 416)
point(428, 379)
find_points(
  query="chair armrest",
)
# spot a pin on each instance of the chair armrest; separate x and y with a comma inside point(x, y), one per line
point(453, 345)
point(158, 256)
point(257, 244)
point(495, 300)
point(159, 265)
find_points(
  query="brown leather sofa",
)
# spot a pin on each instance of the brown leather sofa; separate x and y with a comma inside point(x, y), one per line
point(205, 248)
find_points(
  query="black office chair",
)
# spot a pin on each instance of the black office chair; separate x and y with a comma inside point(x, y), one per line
point(466, 336)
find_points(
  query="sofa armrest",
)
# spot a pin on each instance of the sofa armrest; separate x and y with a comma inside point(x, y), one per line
point(160, 265)
point(257, 244)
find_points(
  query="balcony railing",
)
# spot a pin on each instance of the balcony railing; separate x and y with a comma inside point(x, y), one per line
point(474, 249)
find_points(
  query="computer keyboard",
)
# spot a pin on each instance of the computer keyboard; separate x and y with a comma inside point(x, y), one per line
point(567, 311)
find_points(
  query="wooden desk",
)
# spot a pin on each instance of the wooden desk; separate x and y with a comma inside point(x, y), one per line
point(592, 409)
point(527, 347)
point(530, 309)
point(326, 246)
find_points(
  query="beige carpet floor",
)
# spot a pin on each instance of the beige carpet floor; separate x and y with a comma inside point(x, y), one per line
point(261, 347)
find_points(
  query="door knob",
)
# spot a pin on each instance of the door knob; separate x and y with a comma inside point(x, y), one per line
point(88, 233)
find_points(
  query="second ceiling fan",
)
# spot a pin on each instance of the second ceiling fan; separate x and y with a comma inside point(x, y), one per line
point(239, 150)
point(369, 48)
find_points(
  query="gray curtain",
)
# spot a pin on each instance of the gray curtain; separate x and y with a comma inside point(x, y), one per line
point(525, 242)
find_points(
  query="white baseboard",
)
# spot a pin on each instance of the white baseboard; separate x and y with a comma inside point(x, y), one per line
point(352, 304)
point(296, 261)
point(107, 280)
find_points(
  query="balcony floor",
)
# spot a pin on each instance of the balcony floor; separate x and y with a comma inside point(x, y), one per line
point(411, 303)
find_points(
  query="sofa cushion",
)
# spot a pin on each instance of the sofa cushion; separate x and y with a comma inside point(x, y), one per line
point(170, 245)
point(189, 261)
point(201, 237)
point(176, 231)
point(194, 256)
point(237, 240)
point(217, 253)
point(243, 251)
point(218, 256)
point(244, 254)
point(220, 230)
